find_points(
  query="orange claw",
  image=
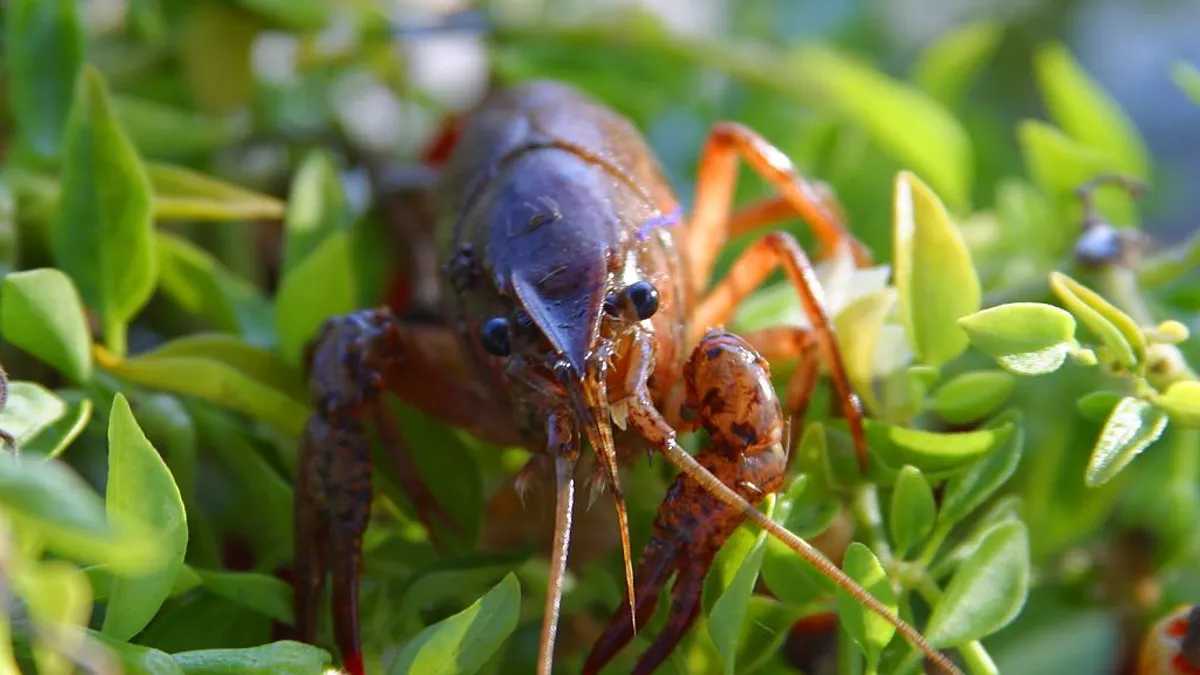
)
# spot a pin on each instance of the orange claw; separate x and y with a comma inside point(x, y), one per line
point(731, 395)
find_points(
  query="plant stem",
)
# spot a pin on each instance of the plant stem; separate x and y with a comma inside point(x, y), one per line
point(934, 542)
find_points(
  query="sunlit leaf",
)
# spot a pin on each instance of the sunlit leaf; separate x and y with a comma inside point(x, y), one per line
point(183, 194)
point(463, 643)
point(103, 233)
point(320, 287)
point(914, 129)
point(44, 49)
point(972, 395)
point(1115, 328)
point(933, 452)
point(1078, 104)
point(945, 68)
point(1187, 78)
point(255, 363)
point(300, 15)
point(858, 328)
point(1027, 218)
point(285, 657)
point(68, 515)
point(219, 80)
point(141, 486)
point(913, 510)
point(1026, 338)
point(317, 207)
point(935, 278)
point(967, 491)
point(1181, 401)
point(869, 631)
point(40, 312)
point(1131, 427)
point(806, 513)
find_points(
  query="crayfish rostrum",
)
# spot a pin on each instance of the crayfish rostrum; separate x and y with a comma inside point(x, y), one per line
point(576, 304)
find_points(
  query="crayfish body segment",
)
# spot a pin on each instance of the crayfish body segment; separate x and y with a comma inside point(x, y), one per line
point(573, 291)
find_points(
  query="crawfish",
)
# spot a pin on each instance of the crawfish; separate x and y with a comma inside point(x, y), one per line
point(572, 288)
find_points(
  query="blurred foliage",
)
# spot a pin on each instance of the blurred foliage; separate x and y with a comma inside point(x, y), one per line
point(188, 190)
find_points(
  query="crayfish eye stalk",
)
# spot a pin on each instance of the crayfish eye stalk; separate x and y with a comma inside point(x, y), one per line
point(587, 396)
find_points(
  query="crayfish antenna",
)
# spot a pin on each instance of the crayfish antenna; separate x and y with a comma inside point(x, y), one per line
point(564, 505)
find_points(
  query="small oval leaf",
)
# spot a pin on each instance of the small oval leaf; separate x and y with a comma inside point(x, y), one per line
point(930, 451)
point(44, 50)
point(1131, 427)
point(729, 609)
point(319, 287)
point(1182, 402)
point(857, 329)
point(51, 441)
point(935, 278)
point(1060, 164)
point(141, 486)
point(41, 312)
point(1026, 338)
point(261, 593)
point(1098, 405)
point(869, 631)
point(1114, 328)
point(988, 590)
point(31, 408)
point(913, 510)
point(317, 207)
point(972, 396)
point(463, 643)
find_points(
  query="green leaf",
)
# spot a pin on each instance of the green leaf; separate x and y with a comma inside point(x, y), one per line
point(159, 130)
point(913, 510)
point(1059, 165)
point(299, 15)
point(253, 362)
point(317, 207)
point(1181, 401)
point(463, 643)
point(945, 67)
point(285, 657)
point(933, 452)
point(31, 408)
point(1131, 427)
point(136, 659)
point(1098, 405)
point(50, 499)
point(42, 314)
point(806, 512)
point(972, 395)
point(183, 194)
point(1115, 328)
point(141, 486)
point(262, 593)
point(988, 590)
point(869, 631)
point(44, 49)
point(967, 491)
point(54, 439)
point(202, 285)
point(857, 329)
point(728, 610)
point(212, 380)
point(935, 278)
point(103, 233)
point(1026, 338)
point(911, 127)
point(1027, 219)
point(1187, 78)
point(1080, 106)
point(320, 287)
point(767, 625)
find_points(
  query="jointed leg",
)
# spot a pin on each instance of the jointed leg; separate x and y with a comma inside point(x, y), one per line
point(711, 223)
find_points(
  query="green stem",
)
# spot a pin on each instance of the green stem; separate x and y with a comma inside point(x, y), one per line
point(934, 542)
point(115, 337)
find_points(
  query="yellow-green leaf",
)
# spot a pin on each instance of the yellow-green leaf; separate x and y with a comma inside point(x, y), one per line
point(945, 67)
point(913, 510)
point(1115, 328)
point(1187, 78)
point(913, 128)
point(320, 287)
point(1182, 402)
point(857, 328)
point(1088, 113)
point(1131, 427)
point(317, 207)
point(1026, 338)
point(972, 395)
point(42, 314)
point(162, 131)
point(141, 486)
point(1060, 164)
point(869, 631)
point(59, 600)
point(103, 233)
point(183, 194)
point(935, 277)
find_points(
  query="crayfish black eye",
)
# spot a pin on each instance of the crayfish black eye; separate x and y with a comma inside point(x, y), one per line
point(495, 336)
point(643, 297)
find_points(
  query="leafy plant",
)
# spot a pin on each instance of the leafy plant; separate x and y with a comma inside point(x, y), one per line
point(177, 219)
